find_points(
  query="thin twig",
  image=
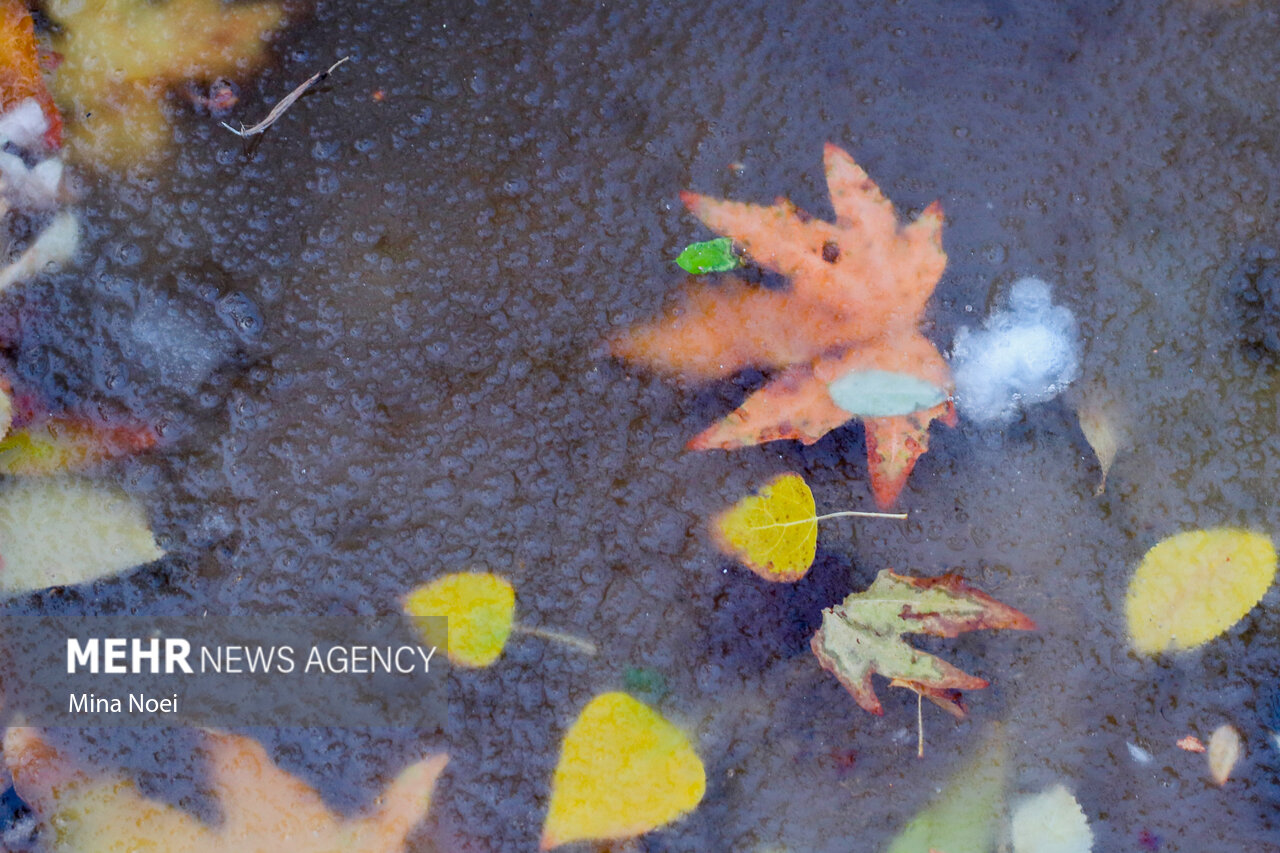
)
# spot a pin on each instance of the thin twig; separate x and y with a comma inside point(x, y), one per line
point(584, 646)
point(285, 103)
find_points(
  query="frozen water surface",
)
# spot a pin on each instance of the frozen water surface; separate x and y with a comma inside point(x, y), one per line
point(389, 368)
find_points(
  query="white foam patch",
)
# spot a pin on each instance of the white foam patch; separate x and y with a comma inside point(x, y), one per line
point(1022, 356)
point(24, 125)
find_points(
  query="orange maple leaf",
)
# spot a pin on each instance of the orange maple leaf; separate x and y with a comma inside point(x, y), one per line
point(264, 808)
point(846, 330)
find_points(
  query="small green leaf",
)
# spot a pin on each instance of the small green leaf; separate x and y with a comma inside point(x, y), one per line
point(711, 256)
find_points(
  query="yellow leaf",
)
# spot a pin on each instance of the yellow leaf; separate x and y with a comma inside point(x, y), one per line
point(623, 771)
point(775, 532)
point(480, 608)
point(1193, 586)
point(1224, 751)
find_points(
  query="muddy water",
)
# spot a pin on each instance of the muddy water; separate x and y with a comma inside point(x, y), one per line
point(374, 346)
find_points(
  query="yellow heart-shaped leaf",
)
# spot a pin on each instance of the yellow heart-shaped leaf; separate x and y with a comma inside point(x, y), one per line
point(774, 532)
point(1193, 586)
point(623, 771)
point(480, 608)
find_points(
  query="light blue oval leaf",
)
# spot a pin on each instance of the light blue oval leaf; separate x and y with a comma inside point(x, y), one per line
point(881, 394)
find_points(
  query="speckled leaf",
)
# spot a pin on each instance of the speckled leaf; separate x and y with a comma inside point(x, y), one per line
point(1193, 586)
point(710, 256)
point(264, 809)
point(58, 531)
point(862, 636)
point(480, 610)
point(965, 816)
point(623, 770)
point(775, 532)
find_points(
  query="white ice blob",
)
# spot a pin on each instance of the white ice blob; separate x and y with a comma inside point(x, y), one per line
point(1027, 354)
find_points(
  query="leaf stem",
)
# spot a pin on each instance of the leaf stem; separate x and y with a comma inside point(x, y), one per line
point(919, 725)
point(856, 514)
point(585, 646)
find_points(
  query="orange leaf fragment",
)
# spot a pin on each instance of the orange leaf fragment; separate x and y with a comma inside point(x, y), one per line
point(1190, 743)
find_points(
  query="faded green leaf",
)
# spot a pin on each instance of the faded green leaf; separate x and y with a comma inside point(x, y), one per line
point(863, 635)
point(710, 256)
point(965, 816)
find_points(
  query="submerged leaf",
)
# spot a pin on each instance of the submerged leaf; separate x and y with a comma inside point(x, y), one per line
point(1098, 422)
point(775, 532)
point(1193, 586)
point(1051, 822)
point(60, 531)
point(882, 394)
point(70, 444)
point(1225, 749)
point(710, 256)
point(119, 56)
point(964, 817)
point(264, 809)
point(480, 609)
point(857, 290)
point(862, 636)
point(623, 771)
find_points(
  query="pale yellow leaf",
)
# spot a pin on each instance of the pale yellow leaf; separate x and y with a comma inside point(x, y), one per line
point(1225, 748)
point(1051, 822)
point(58, 531)
point(1193, 586)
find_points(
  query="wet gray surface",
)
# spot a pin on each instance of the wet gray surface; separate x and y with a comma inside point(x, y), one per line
point(374, 348)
